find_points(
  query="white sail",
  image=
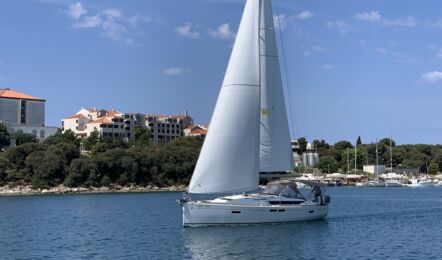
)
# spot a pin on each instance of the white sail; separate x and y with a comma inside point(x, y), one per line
point(229, 159)
point(275, 148)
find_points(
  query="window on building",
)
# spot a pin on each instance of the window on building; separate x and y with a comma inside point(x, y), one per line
point(42, 134)
point(23, 112)
point(62, 123)
point(34, 132)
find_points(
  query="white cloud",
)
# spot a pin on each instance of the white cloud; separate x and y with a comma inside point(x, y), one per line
point(381, 50)
point(88, 22)
point(187, 30)
point(328, 66)
point(112, 13)
point(112, 22)
point(174, 71)
point(222, 32)
point(313, 49)
point(376, 17)
point(439, 53)
point(134, 20)
point(280, 21)
point(408, 22)
point(317, 48)
point(372, 16)
point(362, 41)
point(304, 15)
point(306, 53)
point(340, 26)
point(76, 10)
point(432, 76)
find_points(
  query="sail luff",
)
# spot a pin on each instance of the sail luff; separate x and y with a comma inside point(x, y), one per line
point(275, 148)
point(229, 159)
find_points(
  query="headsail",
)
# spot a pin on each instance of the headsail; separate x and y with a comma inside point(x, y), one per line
point(275, 149)
point(229, 159)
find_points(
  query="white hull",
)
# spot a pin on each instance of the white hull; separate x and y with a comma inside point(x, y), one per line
point(393, 184)
point(421, 184)
point(197, 213)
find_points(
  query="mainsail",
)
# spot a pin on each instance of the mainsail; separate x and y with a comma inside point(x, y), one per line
point(275, 149)
point(229, 159)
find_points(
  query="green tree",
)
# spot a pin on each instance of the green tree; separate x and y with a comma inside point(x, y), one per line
point(327, 164)
point(142, 136)
point(348, 159)
point(5, 138)
point(23, 138)
point(386, 142)
point(433, 168)
point(89, 142)
point(302, 142)
point(63, 137)
point(340, 147)
point(358, 141)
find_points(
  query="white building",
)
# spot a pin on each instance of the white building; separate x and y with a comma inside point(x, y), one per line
point(309, 158)
point(166, 128)
point(23, 112)
point(372, 169)
point(107, 123)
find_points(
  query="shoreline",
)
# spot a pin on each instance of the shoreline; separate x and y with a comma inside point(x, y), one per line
point(27, 190)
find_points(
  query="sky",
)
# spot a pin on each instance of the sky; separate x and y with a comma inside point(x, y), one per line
point(354, 68)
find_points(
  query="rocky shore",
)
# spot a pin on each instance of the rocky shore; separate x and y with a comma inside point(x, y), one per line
point(28, 190)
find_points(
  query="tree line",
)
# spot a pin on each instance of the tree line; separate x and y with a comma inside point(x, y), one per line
point(341, 155)
point(94, 161)
point(59, 160)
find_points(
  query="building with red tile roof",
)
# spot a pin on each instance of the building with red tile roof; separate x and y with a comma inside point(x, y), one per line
point(196, 130)
point(108, 123)
point(24, 112)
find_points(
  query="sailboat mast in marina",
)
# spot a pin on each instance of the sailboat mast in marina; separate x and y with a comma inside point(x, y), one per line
point(248, 134)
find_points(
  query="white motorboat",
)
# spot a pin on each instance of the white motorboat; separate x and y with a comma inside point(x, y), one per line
point(393, 183)
point(373, 183)
point(248, 134)
point(420, 183)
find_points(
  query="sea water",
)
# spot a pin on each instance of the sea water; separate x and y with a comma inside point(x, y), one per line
point(363, 223)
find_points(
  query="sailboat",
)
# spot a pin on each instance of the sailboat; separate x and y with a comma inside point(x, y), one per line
point(391, 180)
point(249, 134)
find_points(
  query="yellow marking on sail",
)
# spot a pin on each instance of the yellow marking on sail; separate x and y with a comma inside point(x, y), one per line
point(264, 112)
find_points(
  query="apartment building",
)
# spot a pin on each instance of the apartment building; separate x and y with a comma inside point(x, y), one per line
point(107, 123)
point(23, 112)
point(166, 128)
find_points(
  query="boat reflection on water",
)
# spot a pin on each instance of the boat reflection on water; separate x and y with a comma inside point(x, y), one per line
point(279, 241)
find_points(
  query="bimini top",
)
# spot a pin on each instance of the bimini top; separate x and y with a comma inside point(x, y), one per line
point(286, 189)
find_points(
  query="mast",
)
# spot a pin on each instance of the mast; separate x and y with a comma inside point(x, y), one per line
point(356, 157)
point(377, 162)
point(391, 157)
